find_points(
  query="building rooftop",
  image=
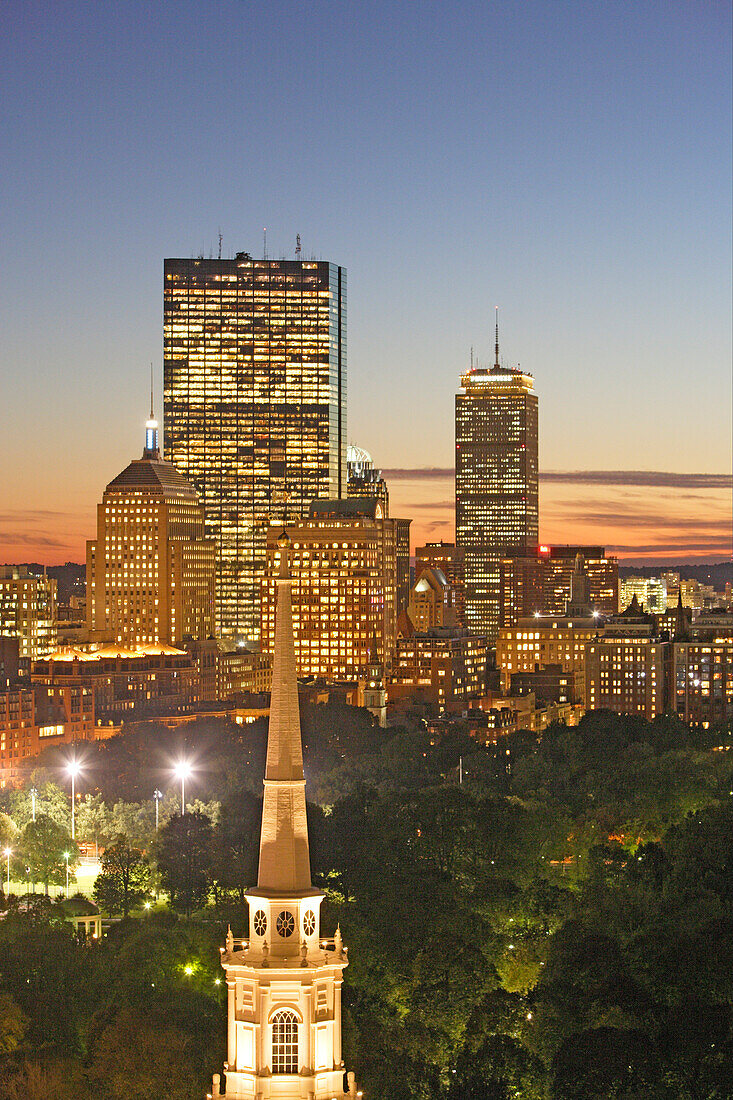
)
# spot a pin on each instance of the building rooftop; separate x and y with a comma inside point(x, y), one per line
point(155, 477)
point(346, 508)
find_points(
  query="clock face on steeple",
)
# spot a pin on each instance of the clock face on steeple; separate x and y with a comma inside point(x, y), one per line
point(285, 924)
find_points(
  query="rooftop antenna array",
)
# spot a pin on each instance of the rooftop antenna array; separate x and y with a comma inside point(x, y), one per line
point(264, 245)
point(298, 249)
point(220, 240)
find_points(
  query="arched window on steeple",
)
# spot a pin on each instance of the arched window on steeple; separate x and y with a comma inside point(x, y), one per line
point(285, 1042)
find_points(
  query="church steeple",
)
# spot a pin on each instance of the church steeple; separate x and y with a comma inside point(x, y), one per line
point(284, 980)
point(284, 854)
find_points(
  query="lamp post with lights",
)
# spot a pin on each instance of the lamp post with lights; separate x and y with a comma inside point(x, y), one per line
point(157, 796)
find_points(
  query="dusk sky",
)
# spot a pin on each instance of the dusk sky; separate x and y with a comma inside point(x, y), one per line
point(567, 161)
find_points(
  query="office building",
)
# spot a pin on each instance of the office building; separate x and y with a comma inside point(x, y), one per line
point(702, 681)
point(126, 683)
point(363, 479)
point(449, 559)
point(28, 610)
point(428, 606)
point(438, 667)
point(540, 581)
point(344, 561)
point(34, 717)
point(150, 570)
point(651, 592)
point(254, 404)
point(539, 642)
point(496, 482)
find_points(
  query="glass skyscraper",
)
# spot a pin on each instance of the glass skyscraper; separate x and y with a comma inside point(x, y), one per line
point(496, 483)
point(254, 404)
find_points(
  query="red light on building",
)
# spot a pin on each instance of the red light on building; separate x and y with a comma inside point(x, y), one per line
point(544, 550)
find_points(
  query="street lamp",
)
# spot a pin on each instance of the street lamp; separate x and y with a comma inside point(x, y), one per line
point(157, 795)
point(73, 769)
point(8, 854)
point(183, 770)
point(66, 856)
point(34, 793)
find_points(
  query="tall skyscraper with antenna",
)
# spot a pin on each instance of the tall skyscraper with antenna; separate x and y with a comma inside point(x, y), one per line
point(496, 481)
point(254, 392)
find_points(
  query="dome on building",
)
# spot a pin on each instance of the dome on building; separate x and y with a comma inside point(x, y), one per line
point(357, 456)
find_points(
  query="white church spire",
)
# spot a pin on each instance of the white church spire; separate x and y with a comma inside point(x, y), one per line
point(284, 854)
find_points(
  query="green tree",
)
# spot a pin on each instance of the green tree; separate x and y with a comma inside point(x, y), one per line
point(94, 821)
point(124, 878)
point(13, 1024)
point(51, 801)
point(43, 847)
point(183, 853)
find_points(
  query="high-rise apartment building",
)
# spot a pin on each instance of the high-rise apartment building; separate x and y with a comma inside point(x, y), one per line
point(28, 611)
point(150, 570)
point(540, 581)
point(344, 561)
point(254, 404)
point(496, 481)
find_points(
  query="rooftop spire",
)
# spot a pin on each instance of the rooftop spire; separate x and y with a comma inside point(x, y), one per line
point(284, 853)
point(496, 345)
point(151, 428)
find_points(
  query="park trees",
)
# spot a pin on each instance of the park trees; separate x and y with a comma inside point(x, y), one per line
point(124, 878)
point(183, 855)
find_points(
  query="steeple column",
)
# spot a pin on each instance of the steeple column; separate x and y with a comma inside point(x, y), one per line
point(231, 1023)
point(337, 1057)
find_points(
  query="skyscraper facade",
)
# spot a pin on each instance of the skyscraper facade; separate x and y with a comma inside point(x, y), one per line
point(254, 404)
point(150, 571)
point(496, 482)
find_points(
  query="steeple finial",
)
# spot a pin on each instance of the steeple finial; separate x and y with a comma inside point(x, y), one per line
point(496, 345)
point(152, 414)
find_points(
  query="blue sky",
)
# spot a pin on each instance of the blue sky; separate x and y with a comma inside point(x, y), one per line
point(569, 162)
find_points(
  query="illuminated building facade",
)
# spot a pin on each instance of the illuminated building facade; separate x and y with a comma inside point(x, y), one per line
point(284, 979)
point(32, 718)
point(364, 480)
point(538, 642)
point(28, 610)
point(439, 667)
point(496, 482)
point(344, 560)
point(254, 404)
point(449, 559)
point(126, 683)
point(428, 606)
point(540, 581)
point(702, 681)
point(651, 592)
point(627, 674)
point(150, 570)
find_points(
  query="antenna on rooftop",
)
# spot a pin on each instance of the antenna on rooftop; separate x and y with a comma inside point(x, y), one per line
point(496, 346)
point(298, 249)
point(264, 246)
point(220, 240)
point(471, 356)
point(152, 414)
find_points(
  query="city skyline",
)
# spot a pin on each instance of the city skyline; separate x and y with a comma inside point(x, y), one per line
point(577, 175)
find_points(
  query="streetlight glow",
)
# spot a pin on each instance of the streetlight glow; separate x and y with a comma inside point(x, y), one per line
point(182, 770)
point(73, 770)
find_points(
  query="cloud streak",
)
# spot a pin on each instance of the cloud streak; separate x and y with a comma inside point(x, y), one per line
point(658, 479)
